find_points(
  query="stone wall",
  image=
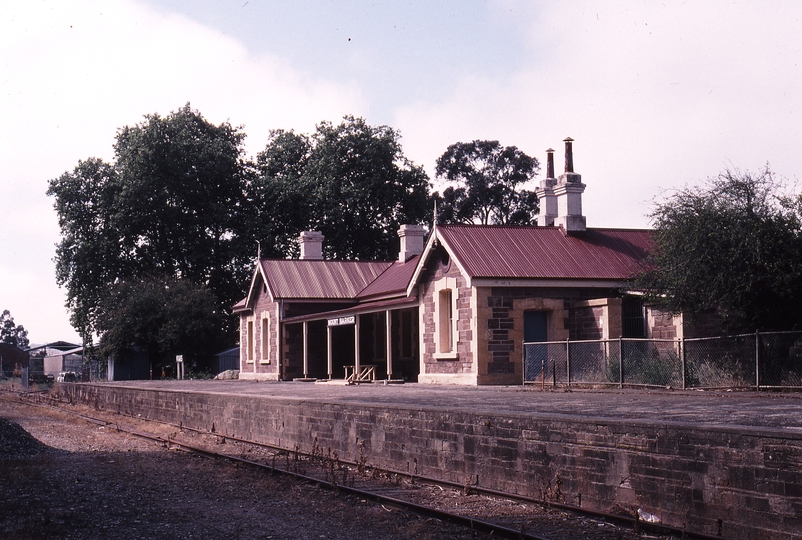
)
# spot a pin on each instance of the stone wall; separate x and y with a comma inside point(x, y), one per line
point(457, 367)
point(735, 482)
point(501, 335)
point(586, 322)
point(596, 319)
point(662, 324)
point(265, 364)
point(574, 313)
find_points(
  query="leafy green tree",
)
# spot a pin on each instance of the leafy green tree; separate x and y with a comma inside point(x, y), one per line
point(88, 257)
point(281, 207)
point(488, 180)
point(732, 245)
point(163, 316)
point(350, 181)
point(453, 205)
point(172, 203)
point(12, 333)
point(180, 202)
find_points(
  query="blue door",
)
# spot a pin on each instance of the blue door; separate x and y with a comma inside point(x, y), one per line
point(535, 326)
point(535, 356)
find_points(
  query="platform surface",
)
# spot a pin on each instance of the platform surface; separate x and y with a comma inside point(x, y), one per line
point(779, 414)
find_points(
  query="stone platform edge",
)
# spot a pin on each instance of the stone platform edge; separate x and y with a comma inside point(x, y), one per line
point(739, 482)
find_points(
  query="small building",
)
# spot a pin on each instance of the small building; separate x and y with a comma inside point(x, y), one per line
point(49, 359)
point(225, 360)
point(10, 357)
point(454, 309)
point(68, 360)
point(134, 366)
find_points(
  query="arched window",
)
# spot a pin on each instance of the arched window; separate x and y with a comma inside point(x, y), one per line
point(446, 316)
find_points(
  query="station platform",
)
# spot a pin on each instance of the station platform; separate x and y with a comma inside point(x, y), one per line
point(715, 463)
point(697, 408)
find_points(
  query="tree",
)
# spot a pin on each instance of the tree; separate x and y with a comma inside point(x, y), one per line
point(179, 201)
point(163, 316)
point(11, 333)
point(733, 245)
point(489, 179)
point(88, 258)
point(171, 204)
point(281, 208)
point(350, 181)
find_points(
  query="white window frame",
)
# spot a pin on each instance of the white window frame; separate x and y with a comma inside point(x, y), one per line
point(250, 340)
point(264, 327)
point(446, 317)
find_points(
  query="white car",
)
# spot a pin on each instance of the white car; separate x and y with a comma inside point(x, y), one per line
point(67, 376)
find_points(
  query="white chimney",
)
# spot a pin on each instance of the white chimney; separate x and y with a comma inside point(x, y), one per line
point(311, 245)
point(568, 191)
point(411, 241)
point(547, 201)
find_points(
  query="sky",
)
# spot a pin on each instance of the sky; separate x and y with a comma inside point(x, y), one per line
point(656, 95)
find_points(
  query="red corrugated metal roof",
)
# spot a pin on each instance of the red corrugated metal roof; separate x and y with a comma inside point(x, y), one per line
point(394, 279)
point(242, 305)
point(483, 251)
point(303, 278)
point(545, 252)
point(380, 305)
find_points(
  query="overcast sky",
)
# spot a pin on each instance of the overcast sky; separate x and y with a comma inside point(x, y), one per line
point(655, 94)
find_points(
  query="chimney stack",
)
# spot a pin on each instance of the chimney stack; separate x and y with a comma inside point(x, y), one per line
point(545, 194)
point(568, 192)
point(311, 245)
point(569, 155)
point(411, 241)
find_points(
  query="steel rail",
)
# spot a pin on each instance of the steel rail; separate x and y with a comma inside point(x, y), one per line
point(491, 529)
point(632, 522)
point(471, 523)
point(577, 510)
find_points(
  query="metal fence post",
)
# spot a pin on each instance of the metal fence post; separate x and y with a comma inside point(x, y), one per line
point(620, 362)
point(568, 360)
point(542, 371)
point(684, 360)
point(757, 360)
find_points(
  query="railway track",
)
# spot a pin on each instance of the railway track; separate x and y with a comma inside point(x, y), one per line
point(491, 513)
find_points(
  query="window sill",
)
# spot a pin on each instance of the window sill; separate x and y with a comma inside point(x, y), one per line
point(249, 361)
point(264, 361)
point(446, 356)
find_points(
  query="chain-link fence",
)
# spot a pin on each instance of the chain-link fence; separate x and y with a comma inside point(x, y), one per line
point(760, 360)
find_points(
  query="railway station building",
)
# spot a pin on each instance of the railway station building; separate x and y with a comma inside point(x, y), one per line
point(457, 304)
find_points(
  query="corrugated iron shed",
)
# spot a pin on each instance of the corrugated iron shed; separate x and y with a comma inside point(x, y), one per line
point(303, 278)
point(545, 252)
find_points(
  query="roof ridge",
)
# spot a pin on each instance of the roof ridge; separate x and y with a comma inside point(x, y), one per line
point(535, 227)
point(316, 278)
point(493, 225)
point(377, 261)
point(545, 252)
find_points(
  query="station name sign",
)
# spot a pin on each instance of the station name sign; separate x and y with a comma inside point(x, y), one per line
point(339, 321)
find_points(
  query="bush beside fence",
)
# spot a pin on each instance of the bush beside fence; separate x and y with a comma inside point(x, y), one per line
point(759, 360)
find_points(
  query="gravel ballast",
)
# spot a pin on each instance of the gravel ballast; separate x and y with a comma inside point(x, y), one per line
point(63, 477)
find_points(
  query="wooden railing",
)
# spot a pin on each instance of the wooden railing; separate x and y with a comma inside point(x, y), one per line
point(367, 373)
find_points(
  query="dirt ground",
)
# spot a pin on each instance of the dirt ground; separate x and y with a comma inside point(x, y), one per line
point(62, 477)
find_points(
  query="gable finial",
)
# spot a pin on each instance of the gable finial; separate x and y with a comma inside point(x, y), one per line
point(434, 224)
point(258, 250)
